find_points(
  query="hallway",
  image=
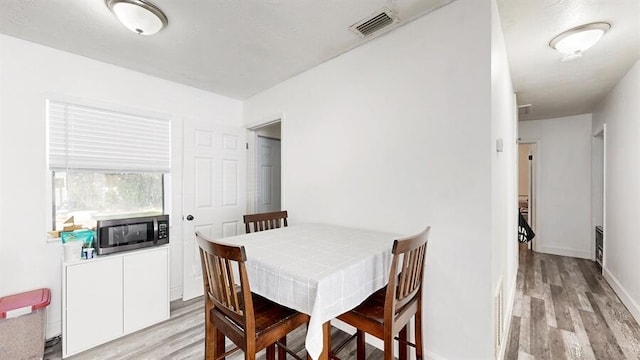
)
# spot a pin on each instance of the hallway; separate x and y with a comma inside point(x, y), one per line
point(564, 309)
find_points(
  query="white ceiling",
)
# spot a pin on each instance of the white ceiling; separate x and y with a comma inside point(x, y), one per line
point(233, 48)
point(556, 88)
point(239, 48)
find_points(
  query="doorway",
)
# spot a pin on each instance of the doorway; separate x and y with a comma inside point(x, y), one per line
point(265, 168)
point(598, 194)
point(526, 184)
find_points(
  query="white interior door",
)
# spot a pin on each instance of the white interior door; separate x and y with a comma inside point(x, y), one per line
point(214, 191)
point(268, 174)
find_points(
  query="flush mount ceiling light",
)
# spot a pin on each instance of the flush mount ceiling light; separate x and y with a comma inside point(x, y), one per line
point(139, 16)
point(573, 42)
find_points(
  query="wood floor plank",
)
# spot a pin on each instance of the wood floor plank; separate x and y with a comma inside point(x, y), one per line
point(514, 339)
point(561, 305)
point(524, 343)
point(594, 284)
point(517, 304)
point(573, 349)
point(543, 272)
point(525, 356)
point(554, 272)
point(603, 342)
point(586, 352)
point(538, 330)
point(550, 312)
point(556, 344)
point(529, 274)
point(616, 319)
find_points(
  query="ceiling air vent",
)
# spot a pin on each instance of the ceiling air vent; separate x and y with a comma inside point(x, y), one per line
point(374, 23)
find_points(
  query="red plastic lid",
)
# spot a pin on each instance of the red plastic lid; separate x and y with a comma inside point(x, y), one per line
point(36, 299)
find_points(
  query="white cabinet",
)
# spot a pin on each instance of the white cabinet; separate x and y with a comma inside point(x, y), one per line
point(94, 296)
point(145, 302)
point(114, 295)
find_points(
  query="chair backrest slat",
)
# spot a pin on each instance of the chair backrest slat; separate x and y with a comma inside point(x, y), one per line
point(218, 263)
point(265, 221)
point(407, 270)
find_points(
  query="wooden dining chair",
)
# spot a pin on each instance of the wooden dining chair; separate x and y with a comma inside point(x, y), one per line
point(232, 311)
point(388, 311)
point(265, 221)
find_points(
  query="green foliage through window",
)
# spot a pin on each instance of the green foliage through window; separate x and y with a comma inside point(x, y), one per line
point(90, 196)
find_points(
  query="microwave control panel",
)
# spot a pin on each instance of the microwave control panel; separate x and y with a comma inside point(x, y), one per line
point(163, 230)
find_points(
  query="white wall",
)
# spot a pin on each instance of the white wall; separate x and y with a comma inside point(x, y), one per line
point(396, 135)
point(29, 73)
point(621, 113)
point(563, 184)
point(504, 188)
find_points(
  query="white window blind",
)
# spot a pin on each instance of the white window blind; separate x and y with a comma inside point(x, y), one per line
point(88, 138)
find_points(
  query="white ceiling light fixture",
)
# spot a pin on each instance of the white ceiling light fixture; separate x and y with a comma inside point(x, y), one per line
point(139, 16)
point(573, 42)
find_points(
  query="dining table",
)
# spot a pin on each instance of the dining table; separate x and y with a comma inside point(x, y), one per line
point(318, 269)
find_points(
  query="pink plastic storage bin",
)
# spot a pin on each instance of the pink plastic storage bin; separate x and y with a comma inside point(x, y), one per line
point(23, 324)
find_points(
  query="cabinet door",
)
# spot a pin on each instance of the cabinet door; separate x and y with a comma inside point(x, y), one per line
point(93, 303)
point(146, 288)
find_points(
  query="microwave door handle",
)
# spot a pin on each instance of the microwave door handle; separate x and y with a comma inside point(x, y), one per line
point(155, 232)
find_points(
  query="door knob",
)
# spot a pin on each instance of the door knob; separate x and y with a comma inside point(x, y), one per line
point(189, 217)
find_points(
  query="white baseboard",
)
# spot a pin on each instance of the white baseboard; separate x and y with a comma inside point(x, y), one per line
point(511, 297)
point(627, 300)
point(175, 293)
point(564, 252)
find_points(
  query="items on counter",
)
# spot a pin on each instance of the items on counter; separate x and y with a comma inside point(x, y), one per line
point(78, 243)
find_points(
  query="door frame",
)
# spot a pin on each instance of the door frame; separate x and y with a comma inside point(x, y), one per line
point(601, 132)
point(252, 135)
point(534, 188)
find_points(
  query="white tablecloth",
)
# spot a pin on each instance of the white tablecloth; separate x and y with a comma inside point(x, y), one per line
point(320, 270)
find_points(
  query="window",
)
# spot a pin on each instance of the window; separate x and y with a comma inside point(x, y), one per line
point(105, 164)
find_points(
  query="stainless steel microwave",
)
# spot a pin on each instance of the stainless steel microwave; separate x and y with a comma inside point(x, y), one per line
point(116, 235)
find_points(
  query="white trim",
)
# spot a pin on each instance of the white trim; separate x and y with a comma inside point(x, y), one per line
point(600, 133)
point(509, 315)
point(535, 187)
point(599, 130)
point(627, 300)
point(269, 120)
point(604, 197)
point(563, 251)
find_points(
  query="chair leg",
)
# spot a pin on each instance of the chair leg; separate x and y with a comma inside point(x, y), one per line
point(219, 344)
point(418, 333)
point(282, 353)
point(388, 347)
point(271, 352)
point(360, 348)
point(250, 352)
point(402, 344)
point(209, 343)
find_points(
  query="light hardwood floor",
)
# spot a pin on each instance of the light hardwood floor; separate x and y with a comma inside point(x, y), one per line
point(182, 337)
point(565, 309)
